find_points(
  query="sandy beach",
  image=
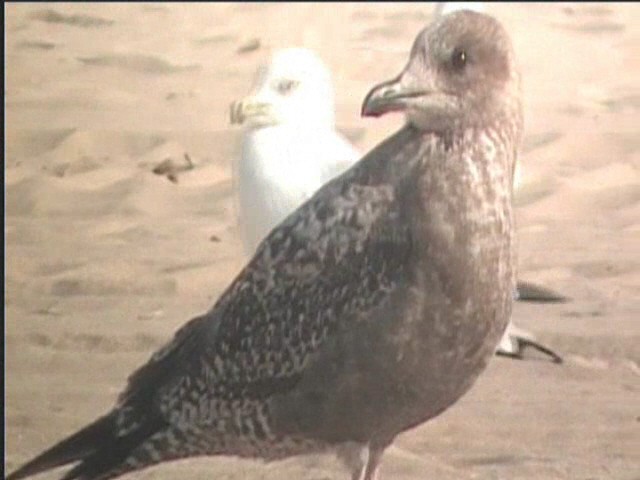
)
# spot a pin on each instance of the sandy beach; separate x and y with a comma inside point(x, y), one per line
point(105, 259)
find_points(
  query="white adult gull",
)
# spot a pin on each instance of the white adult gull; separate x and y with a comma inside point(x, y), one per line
point(290, 146)
point(444, 8)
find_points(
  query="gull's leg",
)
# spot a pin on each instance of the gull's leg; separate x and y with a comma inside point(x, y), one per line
point(373, 462)
point(355, 456)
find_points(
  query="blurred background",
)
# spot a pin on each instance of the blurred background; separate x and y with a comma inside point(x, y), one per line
point(106, 256)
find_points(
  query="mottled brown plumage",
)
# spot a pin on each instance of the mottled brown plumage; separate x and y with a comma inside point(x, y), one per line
point(369, 310)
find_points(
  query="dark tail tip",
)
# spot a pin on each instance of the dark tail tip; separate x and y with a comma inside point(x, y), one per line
point(530, 292)
point(76, 447)
point(555, 358)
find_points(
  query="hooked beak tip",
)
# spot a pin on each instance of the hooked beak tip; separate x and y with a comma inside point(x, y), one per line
point(391, 96)
point(376, 101)
point(371, 105)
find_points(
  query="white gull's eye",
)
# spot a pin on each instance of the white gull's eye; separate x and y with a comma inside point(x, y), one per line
point(285, 87)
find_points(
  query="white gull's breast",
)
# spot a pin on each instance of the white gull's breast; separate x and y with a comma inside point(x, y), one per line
point(279, 169)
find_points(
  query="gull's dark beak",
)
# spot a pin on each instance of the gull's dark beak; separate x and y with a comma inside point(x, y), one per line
point(391, 96)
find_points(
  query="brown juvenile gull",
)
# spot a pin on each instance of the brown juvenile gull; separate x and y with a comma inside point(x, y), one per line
point(288, 154)
point(369, 310)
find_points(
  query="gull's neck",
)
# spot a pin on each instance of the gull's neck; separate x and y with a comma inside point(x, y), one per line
point(292, 129)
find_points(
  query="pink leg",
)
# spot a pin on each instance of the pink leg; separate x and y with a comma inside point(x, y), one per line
point(361, 460)
point(373, 463)
point(354, 456)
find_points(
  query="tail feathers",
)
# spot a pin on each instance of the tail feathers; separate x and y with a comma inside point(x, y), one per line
point(76, 447)
point(530, 292)
point(102, 453)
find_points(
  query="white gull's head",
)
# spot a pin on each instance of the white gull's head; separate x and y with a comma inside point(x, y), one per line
point(444, 8)
point(294, 89)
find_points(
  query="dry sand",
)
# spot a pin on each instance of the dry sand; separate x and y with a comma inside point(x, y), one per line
point(105, 259)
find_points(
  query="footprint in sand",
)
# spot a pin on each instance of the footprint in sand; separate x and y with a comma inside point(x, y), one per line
point(81, 285)
point(137, 63)
point(604, 269)
point(84, 21)
point(98, 343)
point(215, 39)
point(589, 20)
point(533, 142)
point(35, 45)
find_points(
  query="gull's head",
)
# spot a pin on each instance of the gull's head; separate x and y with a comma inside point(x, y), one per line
point(293, 89)
point(444, 8)
point(461, 73)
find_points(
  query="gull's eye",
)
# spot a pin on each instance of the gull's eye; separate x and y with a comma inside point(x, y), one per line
point(459, 58)
point(285, 87)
